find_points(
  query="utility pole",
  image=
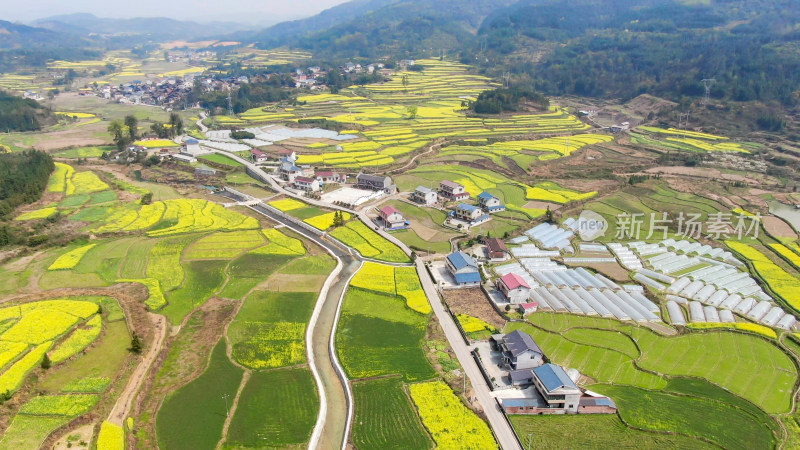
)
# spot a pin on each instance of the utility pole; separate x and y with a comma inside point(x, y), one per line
point(683, 122)
point(707, 83)
point(507, 79)
point(225, 396)
point(230, 102)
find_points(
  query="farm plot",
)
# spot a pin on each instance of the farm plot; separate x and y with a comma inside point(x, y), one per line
point(178, 216)
point(389, 280)
point(781, 282)
point(718, 422)
point(389, 132)
point(378, 335)
point(276, 408)
point(224, 245)
point(385, 417)
point(193, 416)
point(671, 138)
point(33, 329)
point(269, 330)
point(452, 425)
point(70, 259)
point(369, 243)
point(324, 221)
point(594, 431)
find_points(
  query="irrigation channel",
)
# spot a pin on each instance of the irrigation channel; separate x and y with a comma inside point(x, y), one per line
point(333, 425)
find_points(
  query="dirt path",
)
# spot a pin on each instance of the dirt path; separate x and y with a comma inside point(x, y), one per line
point(413, 160)
point(232, 410)
point(128, 395)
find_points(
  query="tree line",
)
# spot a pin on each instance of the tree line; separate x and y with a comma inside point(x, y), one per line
point(23, 178)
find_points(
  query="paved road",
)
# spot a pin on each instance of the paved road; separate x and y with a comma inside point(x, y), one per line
point(502, 430)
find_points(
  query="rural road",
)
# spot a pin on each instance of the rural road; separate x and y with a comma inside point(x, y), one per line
point(332, 389)
point(125, 401)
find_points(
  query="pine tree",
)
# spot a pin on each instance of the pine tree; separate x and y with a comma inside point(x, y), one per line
point(46, 363)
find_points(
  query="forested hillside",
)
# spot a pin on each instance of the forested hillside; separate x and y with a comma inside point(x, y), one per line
point(23, 177)
point(17, 114)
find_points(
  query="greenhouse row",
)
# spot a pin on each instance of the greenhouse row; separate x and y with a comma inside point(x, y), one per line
point(550, 236)
point(764, 311)
point(625, 256)
point(607, 303)
point(531, 250)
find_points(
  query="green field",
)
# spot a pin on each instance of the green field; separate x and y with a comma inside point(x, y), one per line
point(276, 409)
point(734, 361)
point(193, 416)
point(379, 335)
point(691, 416)
point(385, 417)
point(269, 330)
point(220, 159)
point(84, 152)
point(594, 431)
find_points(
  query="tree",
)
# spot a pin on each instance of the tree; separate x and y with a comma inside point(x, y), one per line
point(136, 344)
point(548, 215)
point(147, 198)
point(176, 124)
point(412, 111)
point(119, 134)
point(404, 80)
point(133, 125)
point(46, 363)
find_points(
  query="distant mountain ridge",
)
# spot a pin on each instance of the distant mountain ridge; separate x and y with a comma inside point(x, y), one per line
point(85, 24)
point(16, 36)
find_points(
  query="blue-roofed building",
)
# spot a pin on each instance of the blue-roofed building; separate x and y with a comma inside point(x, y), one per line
point(464, 269)
point(490, 203)
point(557, 389)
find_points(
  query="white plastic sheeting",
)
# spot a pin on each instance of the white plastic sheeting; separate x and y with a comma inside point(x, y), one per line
point(676, 299)
point(759, 311)
point(773, 316)
point(787, 322)
point(726, 316)
point(675, 313)
point(678, 285)
point(696, 313)
point(649, 282)
point(711, 314)
point(657, 276)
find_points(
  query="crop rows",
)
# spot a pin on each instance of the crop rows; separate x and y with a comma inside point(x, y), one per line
point(452, 425)
point(784, 284)
point(78, 340)
point(369, 243)
point(70, 259)
point(224, 245)
point(280, 244)
point(59, 405)
point(324, 221)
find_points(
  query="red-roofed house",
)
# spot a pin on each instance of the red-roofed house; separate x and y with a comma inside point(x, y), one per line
point(306, 184)
point(392, 218)
point(514, 288)
point(259, 156)
point(496, 249)
point(328, 176)
point(527, 308)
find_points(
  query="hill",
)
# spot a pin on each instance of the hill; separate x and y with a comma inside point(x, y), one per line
point(606, 48)
point(18, 36)
point(157, 27)
point(383, 27)
point(17, 114)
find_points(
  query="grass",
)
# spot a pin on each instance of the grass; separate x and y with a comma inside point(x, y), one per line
point(691, 416)
point(30, 431)
point(193, 416)
point(385, 417)
point(746, 365)
point(249, 270)
point(369, 243)
point(103, 360)
point(321, 264)
point(203, 279)
point(593, 431)
point(84, 152)
point(220, 159)
point(269, 330)
point(378, 335)
point(276, 409)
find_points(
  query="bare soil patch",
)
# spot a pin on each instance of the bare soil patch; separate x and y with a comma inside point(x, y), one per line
point(81, 434)
point(282, 282)
point(543, 205)
point(475, 303)
point(777, 227)
point(611, 270)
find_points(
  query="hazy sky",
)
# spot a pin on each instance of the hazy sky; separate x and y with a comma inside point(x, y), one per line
point(246, 11)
